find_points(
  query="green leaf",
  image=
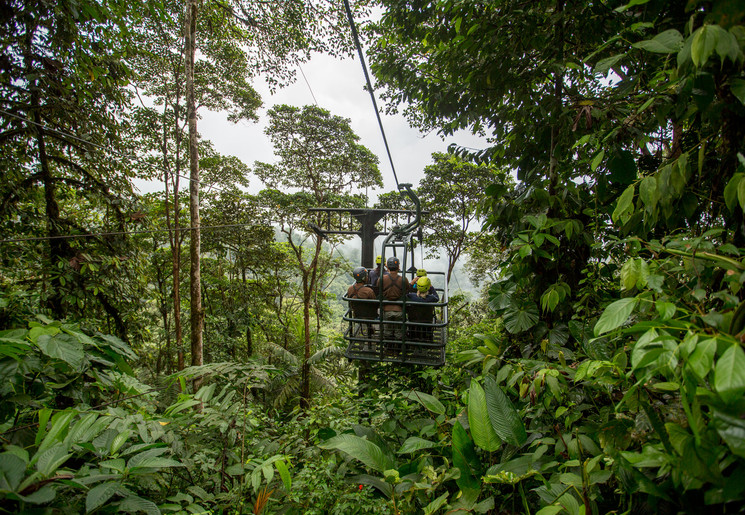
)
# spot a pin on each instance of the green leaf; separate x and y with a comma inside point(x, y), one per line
point(520, 318)
point(138, 459)
point(731, 191)
point(648, 193)
point(361, 449)
point(60, 423)
point(597, 160)
point(482, 430)
point(465, 459)
point(284, 474)
point(504, 417)
point(729, 374)
point(737, 86)
point(703, 44)
point(51, 459)
point(63, 347)
point(426, 400)
point(157, 462)
point(615, 315)
point(549, 510)
point(42, 496)
point(732, 430)
point(625, 205)
point(666, 42)
point(436, 504)
point(414, 443)
point(702, 359)
point(98, 495)
point(12, 470)
point(606, 64)
point(134, 504)
point(666, 310)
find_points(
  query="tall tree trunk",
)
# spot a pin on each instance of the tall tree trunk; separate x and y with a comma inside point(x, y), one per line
point(195, 289)
point(309, 286)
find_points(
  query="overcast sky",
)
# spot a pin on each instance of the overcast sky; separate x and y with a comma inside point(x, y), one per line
point(338, 85)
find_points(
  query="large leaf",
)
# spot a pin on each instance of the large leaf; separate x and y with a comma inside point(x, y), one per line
point(428, 401)
point(414, 443)
point(520, 318)
point(134, 504)
point(465, 459)
point(98, 495)
point(361, 449)
point(482, 430)
point(729, 374)
point(64, 347)
point(503, 416)
point(12, 470)
point(732, 430)
point(664, 43)
point(615, 315)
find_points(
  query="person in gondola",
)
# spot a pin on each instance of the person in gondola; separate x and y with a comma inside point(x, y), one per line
point(393, 287)
point(361, 290)
point(421, 272)
point(419, 313)
point(376, 272)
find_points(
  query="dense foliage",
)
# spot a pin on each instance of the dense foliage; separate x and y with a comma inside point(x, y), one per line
point(601, 371)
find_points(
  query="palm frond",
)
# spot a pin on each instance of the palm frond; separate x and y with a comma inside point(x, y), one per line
point(283, 354)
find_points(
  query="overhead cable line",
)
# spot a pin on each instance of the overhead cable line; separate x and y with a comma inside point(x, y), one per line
point(369, 85)
point(121, 233)
point(116, 152)
point(308, 84)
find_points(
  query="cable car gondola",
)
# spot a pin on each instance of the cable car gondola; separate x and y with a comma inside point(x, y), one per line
point(423, 328)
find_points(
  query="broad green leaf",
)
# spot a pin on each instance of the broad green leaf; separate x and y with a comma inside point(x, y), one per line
point(465, 459)
point(42, 496)
point(648, 193)
point(666, 310)
point(436, 504)
point(157, 462)
point(737, 86)
point(119, 441)
point(361, 449)
point(624, 206)
point(606, 64)
point(504, 417)
point(597, 160)
point(118, 464)
point(702, 359)
point(482, 430)
point(60, 423)
point(81, 429)
point(704, 42)
point(414, 443)
point(615, 315)
point(63, 347)
point(549, 510)
point(428, 401)
point(664, 43)
point(51, 459)
point(729, 374)
point(732, 430)
point(284, 474)
point(44, 415)
point(134, 504)
point(12, 470)
point(138, 459)
point(520, 318)
point(98, 495)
